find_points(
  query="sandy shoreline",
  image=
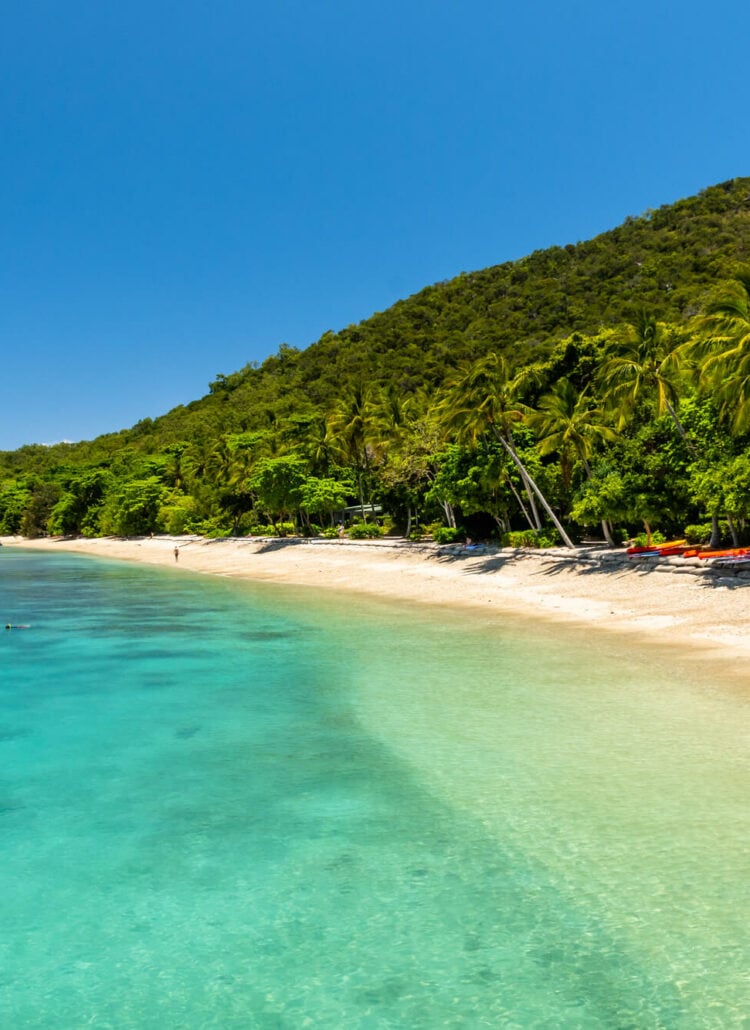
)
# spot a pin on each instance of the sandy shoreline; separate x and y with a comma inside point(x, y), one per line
point(700, 611)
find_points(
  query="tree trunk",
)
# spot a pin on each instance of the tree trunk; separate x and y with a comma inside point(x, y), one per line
point(542, 499)
point(450, 515)
point(532, 502)
point(733, 531)
point(521, 505)
point(526, 480)
point(407, 534)
point(361, 495)
point(715, 534)
point(648, 532)
point(680, 429)
point(500, 522)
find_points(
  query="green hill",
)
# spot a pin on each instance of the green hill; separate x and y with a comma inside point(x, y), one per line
point(667, 261)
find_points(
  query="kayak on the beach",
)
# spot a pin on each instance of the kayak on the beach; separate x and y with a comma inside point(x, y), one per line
point(726, 552)
point(669, 549)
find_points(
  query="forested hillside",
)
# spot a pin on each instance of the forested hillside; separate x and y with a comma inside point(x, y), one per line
point(595, 386)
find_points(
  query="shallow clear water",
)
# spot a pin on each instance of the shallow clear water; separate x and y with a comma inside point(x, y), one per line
point(229, 805)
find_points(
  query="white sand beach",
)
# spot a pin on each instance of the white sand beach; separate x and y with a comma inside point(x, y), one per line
point(676, 602)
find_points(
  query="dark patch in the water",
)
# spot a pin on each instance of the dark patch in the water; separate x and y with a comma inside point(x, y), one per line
point(7, 733)
point(186, 732)
point(388, 991)
point(7, 805)
point(267, 634)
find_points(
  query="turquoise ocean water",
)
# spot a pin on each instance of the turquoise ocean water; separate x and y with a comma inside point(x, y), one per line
point(240, 806)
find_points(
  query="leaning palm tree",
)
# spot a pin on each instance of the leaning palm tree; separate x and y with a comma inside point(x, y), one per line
point(484, 399)
point(723, 344)
point(646, 363)
point(570, 424)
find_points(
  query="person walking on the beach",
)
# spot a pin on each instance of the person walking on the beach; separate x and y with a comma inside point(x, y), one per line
point(176, 554)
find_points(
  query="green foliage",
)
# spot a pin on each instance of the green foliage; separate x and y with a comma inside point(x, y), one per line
point(698, 533)
point(179, 515)
point(15, 497)
point(281, 529)
point(322, 496)
point(38, 509)
point(447, 535)
point(529, 538)
point(134, 508)
point(364, 531)
point(642, 539)
point(278, 484)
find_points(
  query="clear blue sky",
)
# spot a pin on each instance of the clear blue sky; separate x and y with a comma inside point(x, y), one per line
point(186, 185)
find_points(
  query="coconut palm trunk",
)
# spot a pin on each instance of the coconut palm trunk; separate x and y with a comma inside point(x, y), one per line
point(521, 505)
point(540, 496)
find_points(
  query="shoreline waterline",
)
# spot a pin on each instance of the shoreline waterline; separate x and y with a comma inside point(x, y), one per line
point(694, 617)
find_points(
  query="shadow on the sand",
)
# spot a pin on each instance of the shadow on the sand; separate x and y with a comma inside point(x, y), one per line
point(481, 561)
point(711, 577)
point(554, 568)
point(267, 546)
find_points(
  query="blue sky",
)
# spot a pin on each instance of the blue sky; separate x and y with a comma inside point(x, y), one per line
point(185, 185)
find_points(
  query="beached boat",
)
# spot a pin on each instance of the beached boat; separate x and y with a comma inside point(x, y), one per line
point(671, 547)
point(725, 552)
point(731, 560)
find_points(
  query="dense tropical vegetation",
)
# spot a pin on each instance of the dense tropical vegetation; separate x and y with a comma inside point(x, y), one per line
point(599, 388)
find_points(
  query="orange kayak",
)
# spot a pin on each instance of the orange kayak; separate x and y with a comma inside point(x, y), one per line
point(729, 552)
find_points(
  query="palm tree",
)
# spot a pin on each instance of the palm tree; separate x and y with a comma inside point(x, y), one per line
point(484, 399)
point(315, 445)
point(570, 424)
point(221, 462)
point(198, 460)
point(724, 345)
point(646, 362)
point(350, 434)
point(177, 465)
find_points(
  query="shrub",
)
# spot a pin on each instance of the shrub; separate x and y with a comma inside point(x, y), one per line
point(529, 538)
point(698, 533)
point(261, 530)
point(211, 528)
point(330, 532)
point(364, 531)
point(447, 535)
point(641, 540)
